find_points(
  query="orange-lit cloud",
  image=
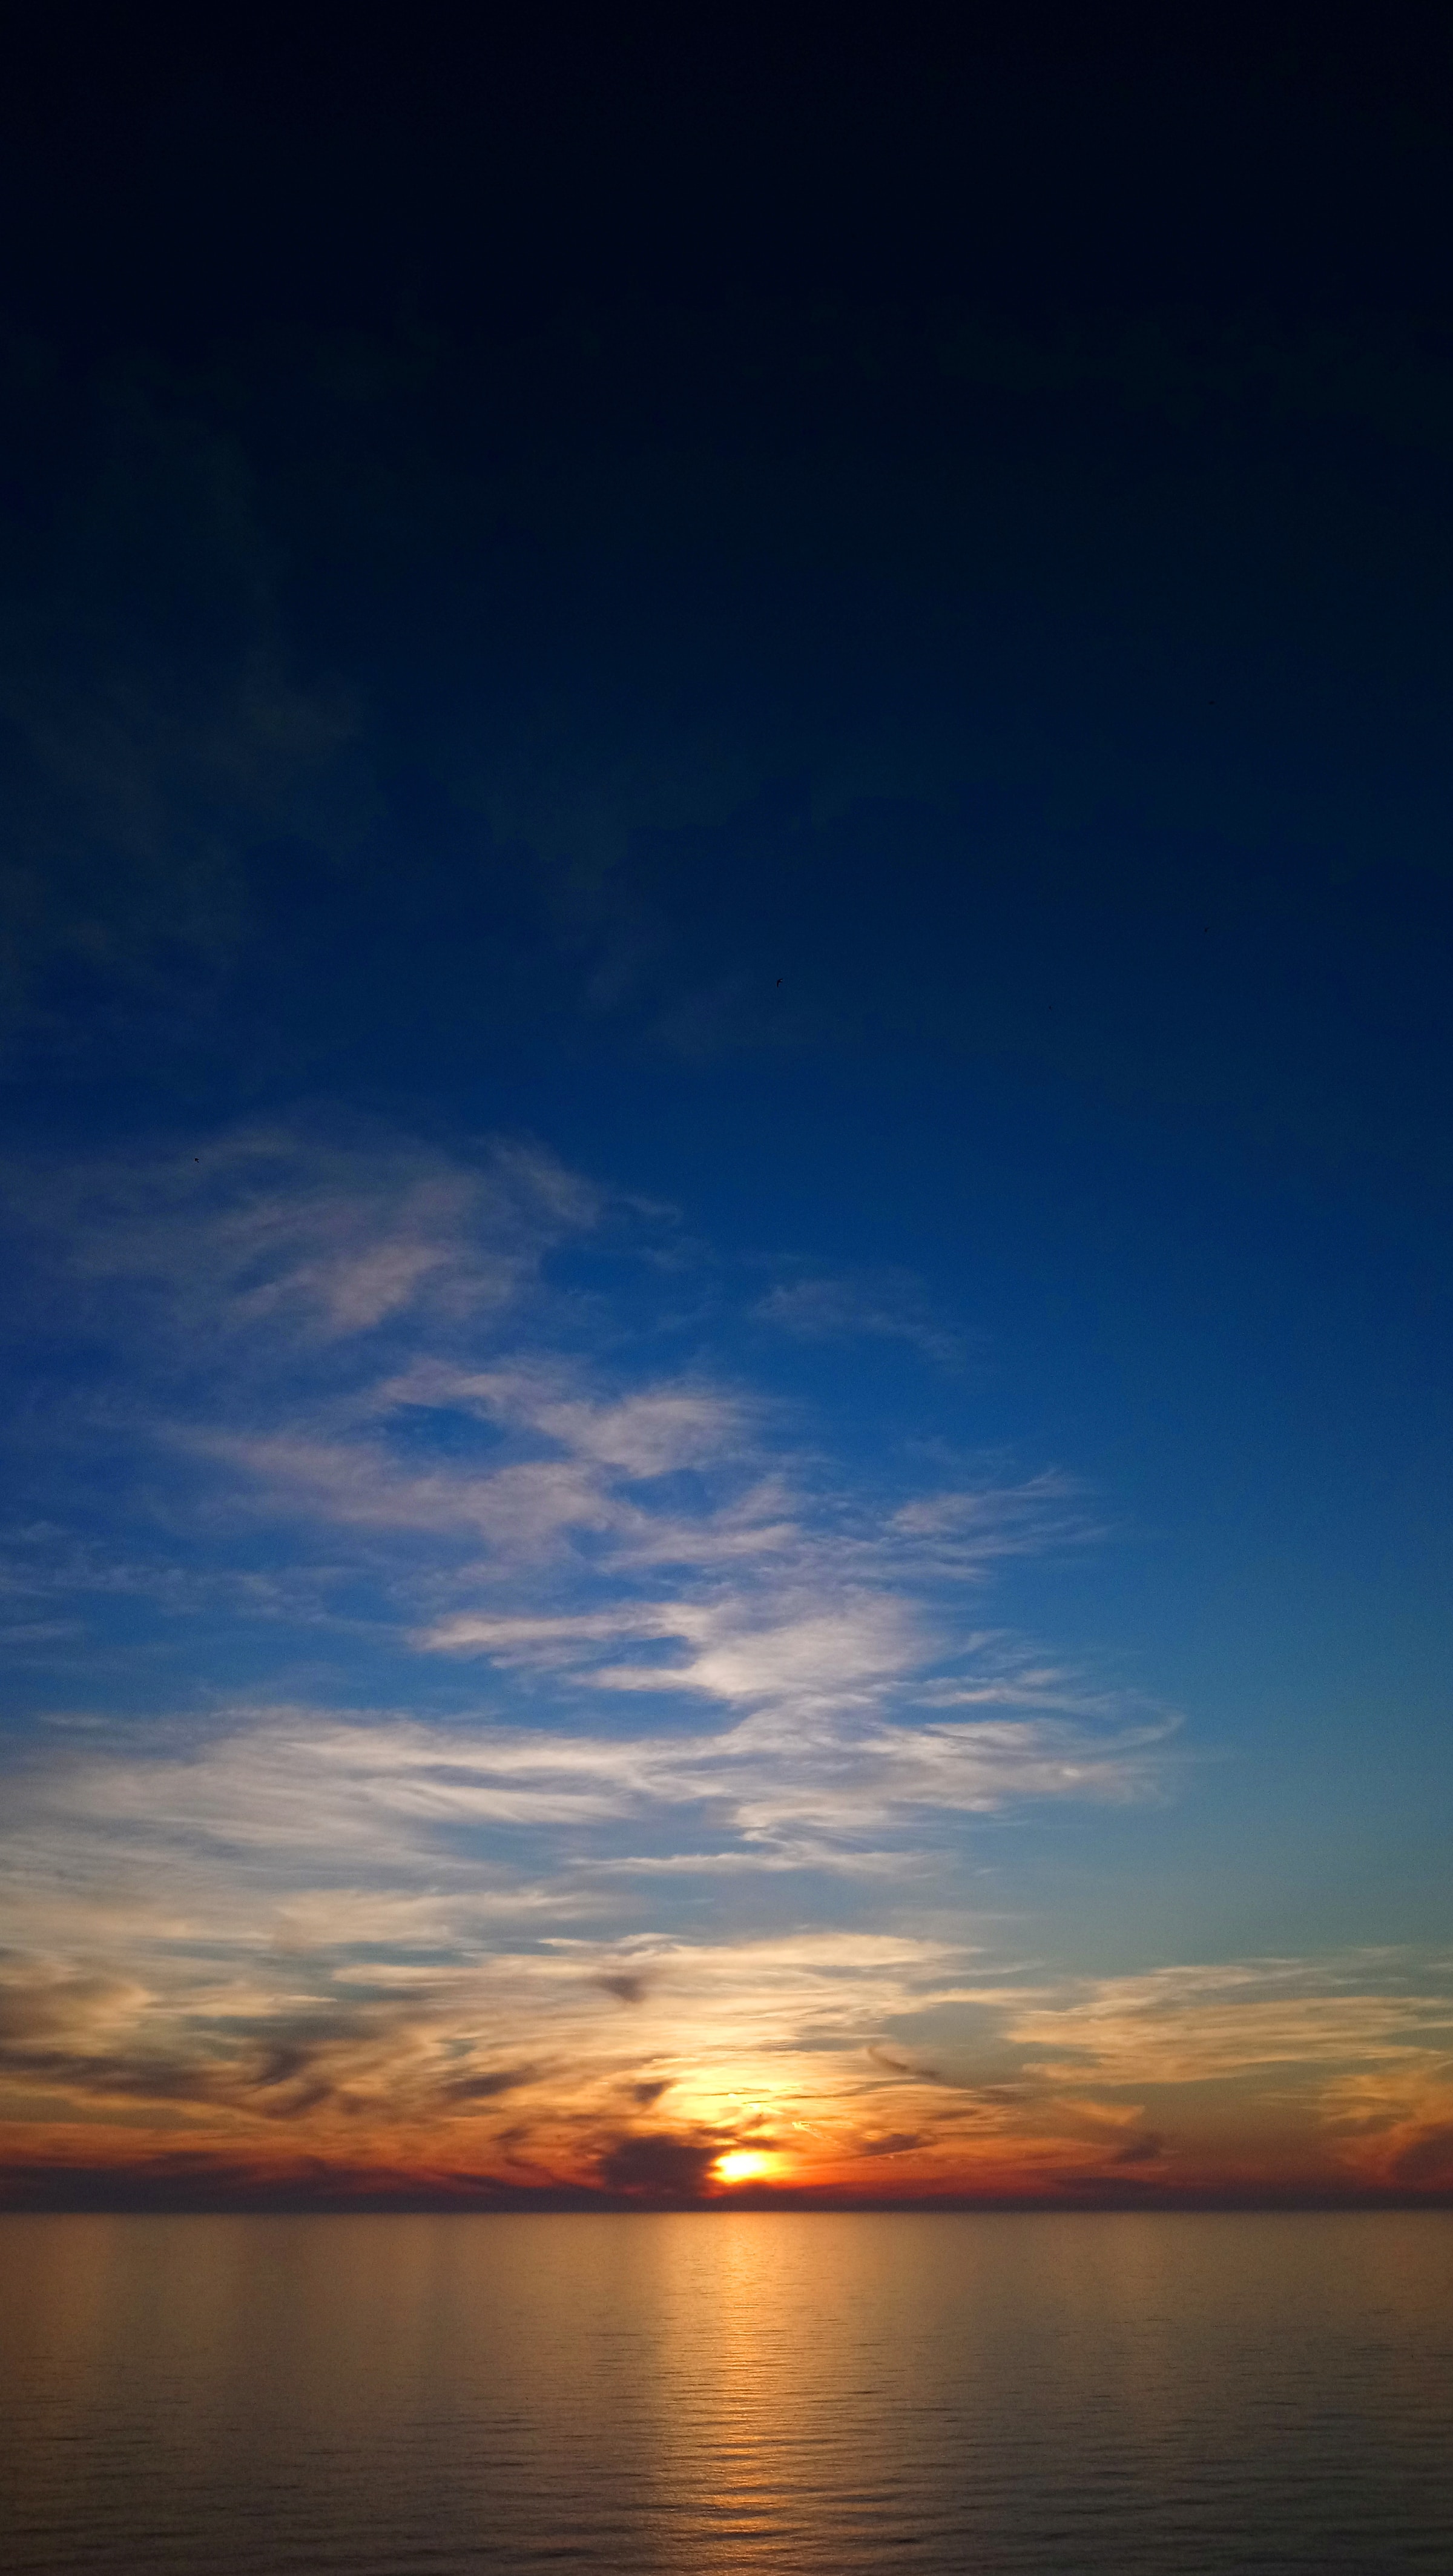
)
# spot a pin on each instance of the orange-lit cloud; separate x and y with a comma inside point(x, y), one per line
point(203, 1998)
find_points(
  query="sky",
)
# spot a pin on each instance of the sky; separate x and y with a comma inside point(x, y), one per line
point(724, 1025)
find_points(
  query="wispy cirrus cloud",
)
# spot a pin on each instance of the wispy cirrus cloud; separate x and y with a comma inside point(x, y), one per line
point(273, 1806)
point(343, 1381)
point(884, 1305)
point(1199, 2024)
point(293, 1233)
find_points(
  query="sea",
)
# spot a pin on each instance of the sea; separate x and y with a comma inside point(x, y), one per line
point(728, 2391)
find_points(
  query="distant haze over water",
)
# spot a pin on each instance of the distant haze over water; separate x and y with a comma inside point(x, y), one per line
point(727, 2391)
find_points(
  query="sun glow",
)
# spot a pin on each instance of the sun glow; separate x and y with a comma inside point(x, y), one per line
point(743, 2164)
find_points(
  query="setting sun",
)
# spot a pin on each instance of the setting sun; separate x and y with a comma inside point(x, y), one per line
point(743, 2164)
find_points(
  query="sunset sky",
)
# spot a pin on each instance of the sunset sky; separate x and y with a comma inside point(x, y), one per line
point(726, 1040)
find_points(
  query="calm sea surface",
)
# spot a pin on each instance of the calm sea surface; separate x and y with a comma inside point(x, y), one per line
point(393, 2396)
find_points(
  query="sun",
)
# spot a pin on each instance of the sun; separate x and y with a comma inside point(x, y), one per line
point(743, 2164)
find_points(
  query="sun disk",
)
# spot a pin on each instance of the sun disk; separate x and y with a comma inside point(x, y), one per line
point(743, 2164)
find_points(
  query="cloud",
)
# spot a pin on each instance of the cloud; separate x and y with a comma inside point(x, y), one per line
point(302, 1832)
point(357, 1403)
point(654, 2165)
point(1202, 2024)
point(446, 2038)
point(628, 1985)
point(291, 1311)
point(227, 2033)
point(887, 1305)
point(266, 1237)
point(1392, 2118)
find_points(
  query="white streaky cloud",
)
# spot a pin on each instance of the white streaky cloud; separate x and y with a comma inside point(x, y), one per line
point(651, 1433)
point(1195, 2024)
point(647, 1435)
point(524, 1508)
point(346, 1358)
point(765, 1859)
point(968, 1532)
point(560, 1640)
point(824, 1656)
point(461, 1829)
point(827, 1655)
point(885, 1305)
point(333, 1786)
point(270, 1231)
point(351, 1484)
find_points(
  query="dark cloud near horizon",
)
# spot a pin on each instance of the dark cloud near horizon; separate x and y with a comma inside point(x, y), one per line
point(178, 2180)
point(657, 2165)
point(72, 2031)
point(181, 2180)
